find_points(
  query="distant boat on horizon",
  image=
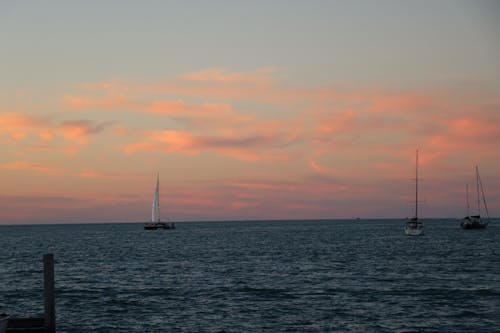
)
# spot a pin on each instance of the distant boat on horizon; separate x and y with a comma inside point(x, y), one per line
point(414, 226)
point(475, 221)
point(156, 223)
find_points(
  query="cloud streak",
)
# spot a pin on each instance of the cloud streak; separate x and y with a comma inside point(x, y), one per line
point(19, 129)
point(249, 148)
point(23, 166)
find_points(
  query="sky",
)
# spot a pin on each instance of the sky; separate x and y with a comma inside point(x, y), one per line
point(246, 109)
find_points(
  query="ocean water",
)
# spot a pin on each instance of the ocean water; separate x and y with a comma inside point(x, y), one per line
point(266, 276)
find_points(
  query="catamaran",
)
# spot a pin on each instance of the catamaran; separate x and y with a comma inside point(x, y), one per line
point(156, 223)
point(414, 226)
point(475, 221)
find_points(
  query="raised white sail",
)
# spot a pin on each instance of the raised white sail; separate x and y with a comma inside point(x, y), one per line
point(155, 211)
point(155, 223)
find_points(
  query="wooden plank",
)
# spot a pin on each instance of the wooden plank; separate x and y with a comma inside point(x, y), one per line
point(47, 324)
point(49, 293)
point(26, 330)
point(25, 325)
point(24, 322)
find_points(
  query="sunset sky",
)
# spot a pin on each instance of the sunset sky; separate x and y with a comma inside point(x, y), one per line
point(247, 109)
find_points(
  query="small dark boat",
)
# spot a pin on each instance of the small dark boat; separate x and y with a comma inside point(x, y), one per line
point(159, 225)
point(475, 221)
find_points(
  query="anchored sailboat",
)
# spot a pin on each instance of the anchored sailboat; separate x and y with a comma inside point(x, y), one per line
point(156, 223)
point(475, 221)
point(414, 226)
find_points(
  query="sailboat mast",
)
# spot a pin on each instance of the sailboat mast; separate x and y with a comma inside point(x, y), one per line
point(467, 199)
point(416, 185)
point(158, 196)
point(477, 187)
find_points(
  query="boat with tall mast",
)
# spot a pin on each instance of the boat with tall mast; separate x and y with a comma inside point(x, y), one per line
point(475, 221)
point(156, 223)
point(414, 226)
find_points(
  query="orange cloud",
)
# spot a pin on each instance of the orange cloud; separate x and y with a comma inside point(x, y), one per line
point(17, 126)
point(262, 77)
point(111, 102)
point(466, 135)
point(472, 127)
point(401, 102)
point(337, 122)
point(321, 169)
point(20, 165)
point(80, 130)
point(179, 107)
point(102, 175)
point(213, 84)
point(239, 147)
point(20, 128)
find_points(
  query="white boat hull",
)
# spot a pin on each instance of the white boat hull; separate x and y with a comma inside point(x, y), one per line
point(413, 231)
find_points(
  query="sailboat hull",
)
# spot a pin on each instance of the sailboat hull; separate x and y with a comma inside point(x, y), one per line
point(159, 225)
point(414, 227)
point(411, 231)
point(473, 223)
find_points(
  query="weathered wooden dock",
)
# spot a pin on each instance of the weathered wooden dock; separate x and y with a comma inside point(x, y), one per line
point(47, 324)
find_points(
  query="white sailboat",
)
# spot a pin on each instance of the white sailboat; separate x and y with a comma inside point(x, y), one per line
point(475, 221)
point(156, 223)
point(414, 226)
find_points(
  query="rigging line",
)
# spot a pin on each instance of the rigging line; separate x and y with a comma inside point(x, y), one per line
point(484, 197)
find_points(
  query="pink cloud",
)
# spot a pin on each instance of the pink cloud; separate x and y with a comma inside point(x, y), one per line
point(91, 174)
point(17, 126)
point(243, 147)
point(401, 102)
point(179, 107)
point(80, 130)
point(110, 102)
point(19, 129)
point(214, 84)
point(337, 122)
point(261, 77)
point(23, 166)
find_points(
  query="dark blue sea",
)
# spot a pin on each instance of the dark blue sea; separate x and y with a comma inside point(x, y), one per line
point(265, 276)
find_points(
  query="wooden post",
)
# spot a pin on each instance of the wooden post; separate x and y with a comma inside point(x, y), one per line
point(49, 293)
